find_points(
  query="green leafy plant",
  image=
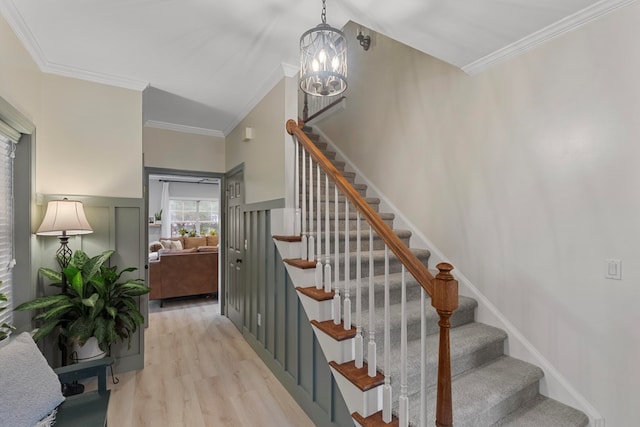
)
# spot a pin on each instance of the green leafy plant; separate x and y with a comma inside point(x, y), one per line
point(213, 232)
point(192, 233)
point(5, 328)
point(97, 302)
point(158, 215)
point(183, 231)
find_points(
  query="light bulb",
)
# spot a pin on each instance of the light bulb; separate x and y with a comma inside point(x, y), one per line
point(335, 63)
point(315, 65)
point(322, 56)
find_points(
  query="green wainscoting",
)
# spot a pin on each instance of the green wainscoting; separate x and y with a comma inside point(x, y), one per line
point(118, 224)
point(285, 340)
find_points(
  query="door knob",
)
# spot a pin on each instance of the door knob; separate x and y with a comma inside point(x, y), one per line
point(238, 261)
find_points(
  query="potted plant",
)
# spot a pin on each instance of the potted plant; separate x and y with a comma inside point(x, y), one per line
point(5, 328)
point(158, 217)
point(183, 231)
point(97, 303)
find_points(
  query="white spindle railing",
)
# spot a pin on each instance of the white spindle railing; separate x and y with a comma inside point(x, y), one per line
point(347, 269)
point(386, 388)
point(296, 192)
point(303, 237)
point(337, 317)
point(371, 349)
point(311, 250)
point(403, 400)
point(327, 238)
point(359, 350)
point(318, 277)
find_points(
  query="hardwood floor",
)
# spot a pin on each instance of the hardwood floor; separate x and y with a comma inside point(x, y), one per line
point(199, 371)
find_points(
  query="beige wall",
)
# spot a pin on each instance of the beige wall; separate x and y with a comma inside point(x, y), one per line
point(186, 151)
point(88, 135)
point(263, 156)
point(525, 177)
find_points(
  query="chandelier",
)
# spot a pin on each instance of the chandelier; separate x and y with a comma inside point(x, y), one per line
point(323, 59)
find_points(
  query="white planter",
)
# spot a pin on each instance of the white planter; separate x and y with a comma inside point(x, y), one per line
point(89, 351)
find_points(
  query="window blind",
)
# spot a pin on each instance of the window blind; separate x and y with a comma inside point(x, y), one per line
point(7, 153)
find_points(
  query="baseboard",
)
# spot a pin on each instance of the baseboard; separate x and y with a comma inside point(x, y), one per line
point(554, 384)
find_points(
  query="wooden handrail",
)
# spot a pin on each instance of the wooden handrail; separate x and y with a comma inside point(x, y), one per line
point(443, 289)
point(320, 111)
point(406, 257)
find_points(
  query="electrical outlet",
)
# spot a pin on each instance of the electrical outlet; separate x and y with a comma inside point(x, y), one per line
point(259, 319)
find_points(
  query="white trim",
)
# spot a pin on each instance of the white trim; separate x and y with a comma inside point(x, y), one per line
point(554, 384)
point(95, 77)
point(29, 41)
point(539, 37)
point(284, 70)
point(182, 128)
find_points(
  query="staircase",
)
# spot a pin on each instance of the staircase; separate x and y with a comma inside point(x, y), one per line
point(488, 388)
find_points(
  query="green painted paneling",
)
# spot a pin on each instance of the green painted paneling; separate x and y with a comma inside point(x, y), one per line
point(285, 339)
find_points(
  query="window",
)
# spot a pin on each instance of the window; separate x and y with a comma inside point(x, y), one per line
point(7, 152)
point(195, 216)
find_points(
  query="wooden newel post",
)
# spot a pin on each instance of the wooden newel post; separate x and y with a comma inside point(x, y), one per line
point(445, 301)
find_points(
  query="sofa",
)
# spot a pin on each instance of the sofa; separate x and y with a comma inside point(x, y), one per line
point(186, 268)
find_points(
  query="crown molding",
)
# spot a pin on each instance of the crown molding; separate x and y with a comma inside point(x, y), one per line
point(182, 128)
point(550, 32)
point(284, 70)
point(24, 34)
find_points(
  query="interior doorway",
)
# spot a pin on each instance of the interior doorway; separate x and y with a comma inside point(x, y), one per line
point(181, 203)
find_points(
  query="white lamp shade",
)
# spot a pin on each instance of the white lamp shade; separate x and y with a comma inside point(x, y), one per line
point(64, 217)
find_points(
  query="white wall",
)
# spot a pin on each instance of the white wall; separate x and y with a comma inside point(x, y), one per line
point(184, 151)
point(264, 156)
point(524, 177)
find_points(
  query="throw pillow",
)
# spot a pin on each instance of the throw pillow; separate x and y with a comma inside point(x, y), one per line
point(30, 388)
point(174, 245)
point(155, 246)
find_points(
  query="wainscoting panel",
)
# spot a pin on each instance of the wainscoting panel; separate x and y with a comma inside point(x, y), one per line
point(285, 340)
point(118, 224)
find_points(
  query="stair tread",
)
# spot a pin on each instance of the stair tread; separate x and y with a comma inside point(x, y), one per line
point(358, 376)
point(543, 411)
point(464, 339)
point(478, 391)
point(337, 332)
point(315, 293)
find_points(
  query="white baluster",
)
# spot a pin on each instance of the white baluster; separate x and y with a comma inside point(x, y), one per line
point(311, 252)
point(296, 190)
point(303, 241)
point(347, 269)
point(403, 405)
point(319, 282)
point(319, 219)
point(337, 317)
point(371, 349)
point(359, 350)
point(423, 359)
point(327, 237)
point(386, 389)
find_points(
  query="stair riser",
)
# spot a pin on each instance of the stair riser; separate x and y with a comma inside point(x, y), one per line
point(496, 412)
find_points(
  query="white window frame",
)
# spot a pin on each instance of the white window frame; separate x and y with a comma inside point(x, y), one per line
point(197, 222)
point(7, 243)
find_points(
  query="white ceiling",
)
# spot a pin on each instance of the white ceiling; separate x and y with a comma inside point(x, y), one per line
point(205, 63)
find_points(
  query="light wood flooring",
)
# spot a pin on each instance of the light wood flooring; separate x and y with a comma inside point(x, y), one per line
point(199, 371)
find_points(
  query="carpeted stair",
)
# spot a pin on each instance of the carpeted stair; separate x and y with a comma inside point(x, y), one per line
point(489, 388)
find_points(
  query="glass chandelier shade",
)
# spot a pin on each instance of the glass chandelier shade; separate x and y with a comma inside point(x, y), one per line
point(323, 61)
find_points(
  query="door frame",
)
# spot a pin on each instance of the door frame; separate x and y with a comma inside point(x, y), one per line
point(222, 297)
point(150, 170)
